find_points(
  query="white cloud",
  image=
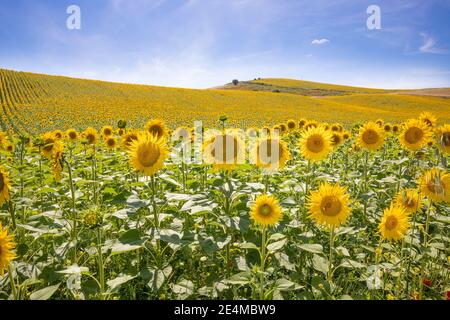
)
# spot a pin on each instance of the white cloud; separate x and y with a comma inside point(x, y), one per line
point(429, 45)
point(320, 41)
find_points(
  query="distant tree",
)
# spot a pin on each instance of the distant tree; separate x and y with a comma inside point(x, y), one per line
point(235, 82)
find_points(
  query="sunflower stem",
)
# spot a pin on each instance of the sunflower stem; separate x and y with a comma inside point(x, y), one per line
point(12, 282)
point(263, 263)
point(330, 266)
point(12, 213)
point(410, 244)
point(155, 215)
point(101, 265)
point(366, 161)
point(74, 216)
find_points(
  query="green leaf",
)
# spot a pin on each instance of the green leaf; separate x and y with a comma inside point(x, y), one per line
point(314, 248)
point(320, 264)
point(44, 294)
point(115, 283)
point(275, 246)
point(183, 289)
point(248, 245)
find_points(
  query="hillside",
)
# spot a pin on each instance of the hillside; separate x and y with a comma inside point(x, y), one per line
point(35, 103)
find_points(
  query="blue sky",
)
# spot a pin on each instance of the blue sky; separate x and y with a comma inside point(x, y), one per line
point(204, 43)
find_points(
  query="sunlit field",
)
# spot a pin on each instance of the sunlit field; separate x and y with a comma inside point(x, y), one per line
point(307, 208)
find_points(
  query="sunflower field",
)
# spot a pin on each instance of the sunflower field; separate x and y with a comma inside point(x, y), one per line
point(304, 209)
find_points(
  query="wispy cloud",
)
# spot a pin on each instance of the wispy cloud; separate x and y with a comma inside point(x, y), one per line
point(320, 41)
point(429, 45)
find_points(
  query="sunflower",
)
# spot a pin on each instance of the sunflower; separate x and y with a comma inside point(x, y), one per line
point(335, 127)
point(224, 151)
point(283, 128)
point(58, 134)
point(302, 123)
point(120, 131)
point(428, 118)
point(346, 135)
point(395, 128)
point(291, 125)
point(443, 138)
point(90, 134)
point(5, 186)
point(111, 143)
point(336, 139)
point(157, 128)
point(266, 211)
point(107, 131)
point(147, 154)
point(435, 184)
point(409, 200)
point(371, 136)
point(72, 134)
point(128, 138)
point(394, 224)
point(48, 141)
point(387, 127)
point(315, 144)
point(415, 135)
point(265, 131)
point(271, 153)
point(311, 124)
point(380, 122)
point(6, 246)
point(329, 205)
point(57, 163)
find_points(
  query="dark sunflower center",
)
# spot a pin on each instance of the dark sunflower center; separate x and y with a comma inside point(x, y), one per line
point(291, 125)
point(148, 154)
point(370, 136)
point(330, 206)
point(413, 135)
point(391, 222)
point(156, 131)
point(90, 138)
point(107, 132)
point(315, 143)
point(446, 139)
point(265, 210)
point(72, 135)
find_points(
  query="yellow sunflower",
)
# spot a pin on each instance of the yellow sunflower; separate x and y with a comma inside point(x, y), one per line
point(6, 246)
point(49, 140)
point(443, 138)
point(435, 184)
point(223, 151)
point(302, 123)
point(428, 118)
point(315, 144)
point(72, 134)
point(128, 138)
point(107, 131)
point(147, 154)
point(120, 131)
point(111, 143)
point(270, 153)
point(415, 135)
point(336, 138)
point(90, 134)
point(409, 200)
point(58, 134)
point(394, 224)
point(380, 122)
point(266, 211)
point(5, 186)
point(292, 125)
point(157, 128)
point(371, 136)
point(387, 127)
point(329, 205)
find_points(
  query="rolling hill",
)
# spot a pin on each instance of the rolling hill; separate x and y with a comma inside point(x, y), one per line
point(35, 103)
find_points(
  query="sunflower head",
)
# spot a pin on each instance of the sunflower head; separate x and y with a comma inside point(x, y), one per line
point(315, 144)
point(394, 224)
point(129, 137)
point(336, 138)
point(346, 135)
point(415, 135)
point(428, 118)
point(387, 127)
point(120, 131)
point(107, 131)
point(157, 128)
point(266, 211)
point(371, 136)
point(395, 128)
point(435, 184)
point(72, 134)
point(302, 123)
point(48, 141)
point(147, 154)
point(90, 134)
point(329, 205)
point(5, 186)
point(409, 200)
point(58, 134)
point(6, 249)
point(443, 138)
point(271, 153)
point(111, 143)
point(380, 122)
point(291, 125)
